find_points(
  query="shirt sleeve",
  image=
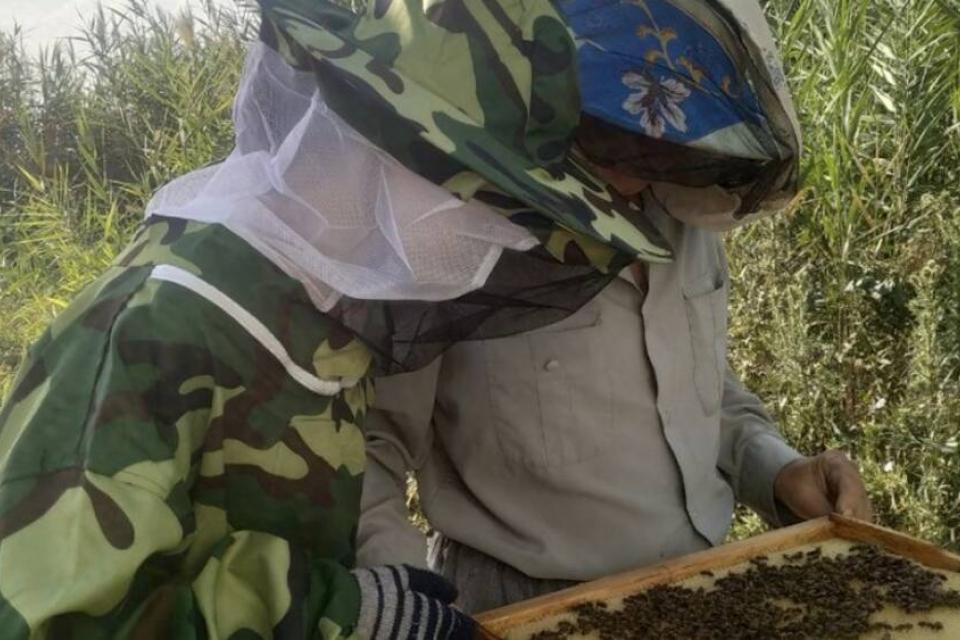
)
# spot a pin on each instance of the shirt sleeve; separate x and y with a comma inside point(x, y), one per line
point(107, 450)
point(399, 436)
point(752, 452)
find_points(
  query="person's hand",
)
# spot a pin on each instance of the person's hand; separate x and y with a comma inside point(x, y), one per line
point(823, 484)
point(399, 602)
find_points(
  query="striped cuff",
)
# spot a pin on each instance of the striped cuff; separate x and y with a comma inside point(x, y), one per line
point(399, 602)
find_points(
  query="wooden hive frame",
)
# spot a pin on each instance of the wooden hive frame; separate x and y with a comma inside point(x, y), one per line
point(499, 621)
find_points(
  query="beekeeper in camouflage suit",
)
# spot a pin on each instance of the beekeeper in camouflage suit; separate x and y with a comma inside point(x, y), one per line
point(181, 451)
point(617, 437)
point(181, 455)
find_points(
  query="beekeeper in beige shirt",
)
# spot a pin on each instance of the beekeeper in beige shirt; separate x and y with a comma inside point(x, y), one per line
point(615, 438)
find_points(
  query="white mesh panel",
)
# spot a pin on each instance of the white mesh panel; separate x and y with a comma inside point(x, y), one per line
point(329, 208)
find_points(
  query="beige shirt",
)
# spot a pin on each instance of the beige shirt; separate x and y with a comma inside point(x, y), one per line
point(615, 438)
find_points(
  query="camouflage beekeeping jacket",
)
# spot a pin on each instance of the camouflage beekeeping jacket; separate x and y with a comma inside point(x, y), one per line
point(168, 467)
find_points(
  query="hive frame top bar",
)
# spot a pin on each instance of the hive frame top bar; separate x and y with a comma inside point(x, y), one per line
point(499, 621)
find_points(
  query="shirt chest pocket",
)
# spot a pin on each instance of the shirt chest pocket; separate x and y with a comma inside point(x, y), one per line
point(705, 300)
point(549, 393)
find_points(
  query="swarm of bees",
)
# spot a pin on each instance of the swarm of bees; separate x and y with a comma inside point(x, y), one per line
point(809, 596)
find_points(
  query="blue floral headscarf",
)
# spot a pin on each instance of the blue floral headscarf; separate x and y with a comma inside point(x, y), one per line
point(699, 85)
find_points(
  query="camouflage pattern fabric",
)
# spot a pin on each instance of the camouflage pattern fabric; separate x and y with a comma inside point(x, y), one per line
point(464, 92)
point(566, 247)
point(162, 473)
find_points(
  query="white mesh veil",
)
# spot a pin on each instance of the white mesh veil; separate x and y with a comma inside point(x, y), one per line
point(329, 208)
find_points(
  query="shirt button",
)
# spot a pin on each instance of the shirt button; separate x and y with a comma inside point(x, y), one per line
point(552, 365)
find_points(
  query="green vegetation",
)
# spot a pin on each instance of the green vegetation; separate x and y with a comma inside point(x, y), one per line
point(846, 311)
point(88, 131)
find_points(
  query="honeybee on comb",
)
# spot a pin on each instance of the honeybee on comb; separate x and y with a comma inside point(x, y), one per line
point(811, 594)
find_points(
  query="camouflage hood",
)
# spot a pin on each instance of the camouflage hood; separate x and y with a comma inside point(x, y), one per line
point(466, 94)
